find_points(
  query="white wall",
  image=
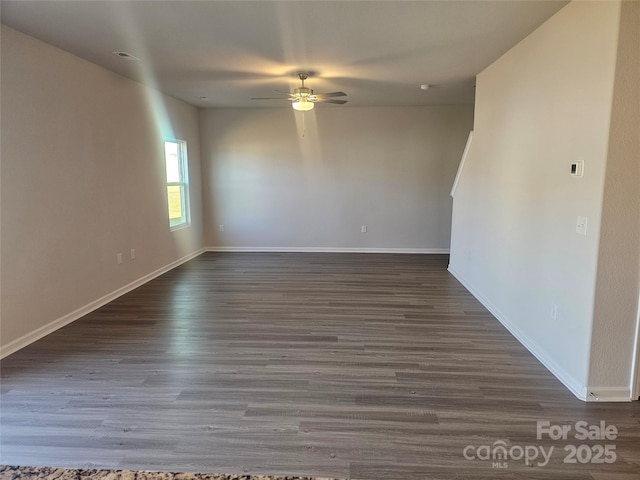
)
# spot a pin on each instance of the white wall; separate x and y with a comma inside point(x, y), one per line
point(388, 168)
point(545, 103)
point(82, 179)
point(618, 281)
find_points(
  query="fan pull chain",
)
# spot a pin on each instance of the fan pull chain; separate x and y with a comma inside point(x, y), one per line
point(304, 129)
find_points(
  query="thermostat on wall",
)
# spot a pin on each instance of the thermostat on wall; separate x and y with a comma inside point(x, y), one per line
point(577, 168)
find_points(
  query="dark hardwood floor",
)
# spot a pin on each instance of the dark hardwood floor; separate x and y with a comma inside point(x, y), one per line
point(340, 365)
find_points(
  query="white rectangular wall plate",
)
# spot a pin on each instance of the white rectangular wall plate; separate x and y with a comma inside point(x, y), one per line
point(577, 168)
point(581, 225)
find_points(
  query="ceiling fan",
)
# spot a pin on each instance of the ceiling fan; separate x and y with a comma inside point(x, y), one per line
point(303, 98)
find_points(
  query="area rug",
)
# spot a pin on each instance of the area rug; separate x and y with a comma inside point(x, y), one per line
point(8, 472)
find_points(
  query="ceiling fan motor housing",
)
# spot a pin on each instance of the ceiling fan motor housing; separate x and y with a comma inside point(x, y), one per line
point(303, 91)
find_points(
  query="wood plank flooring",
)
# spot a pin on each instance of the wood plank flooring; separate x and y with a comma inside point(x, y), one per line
point(342, 365)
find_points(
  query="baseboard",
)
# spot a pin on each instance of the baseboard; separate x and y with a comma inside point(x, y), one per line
point(575, 387)
point(609, 394)
point(419, 251)
point(51, 327)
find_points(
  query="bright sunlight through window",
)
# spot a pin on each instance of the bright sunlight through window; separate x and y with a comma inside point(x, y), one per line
point(175, 154)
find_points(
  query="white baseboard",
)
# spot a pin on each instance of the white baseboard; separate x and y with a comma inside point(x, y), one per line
point(51, 327)
point(579, 390)
point(609, 394)
point(421, 251)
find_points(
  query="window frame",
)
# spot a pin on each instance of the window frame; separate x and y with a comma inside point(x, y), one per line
point(183, 172)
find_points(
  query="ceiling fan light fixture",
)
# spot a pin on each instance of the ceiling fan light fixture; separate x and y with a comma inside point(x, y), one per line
point(303, 99)
point(302, 105)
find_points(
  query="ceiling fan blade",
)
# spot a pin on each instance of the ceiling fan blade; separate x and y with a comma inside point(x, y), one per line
point(329, 100)
point(331, 94)
point(269, 98)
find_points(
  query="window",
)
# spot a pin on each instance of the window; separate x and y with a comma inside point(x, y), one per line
point(175, 154)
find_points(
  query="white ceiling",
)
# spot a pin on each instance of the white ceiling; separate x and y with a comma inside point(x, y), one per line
point(379, 52)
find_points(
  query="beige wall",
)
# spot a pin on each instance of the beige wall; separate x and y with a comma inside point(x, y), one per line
point(545, 103)
point(82, 179)
point(388, 168)
point(618, 280)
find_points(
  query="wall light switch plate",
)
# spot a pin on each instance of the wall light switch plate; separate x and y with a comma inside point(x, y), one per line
point(581, 225)
point(363, 229)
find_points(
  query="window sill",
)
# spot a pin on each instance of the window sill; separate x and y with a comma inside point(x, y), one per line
point(181, 226)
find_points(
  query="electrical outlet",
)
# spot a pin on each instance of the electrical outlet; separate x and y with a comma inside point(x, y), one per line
point(581, 225)
point(133, 253)
point(119, 258)
point(363, 229)
point(221, 227)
